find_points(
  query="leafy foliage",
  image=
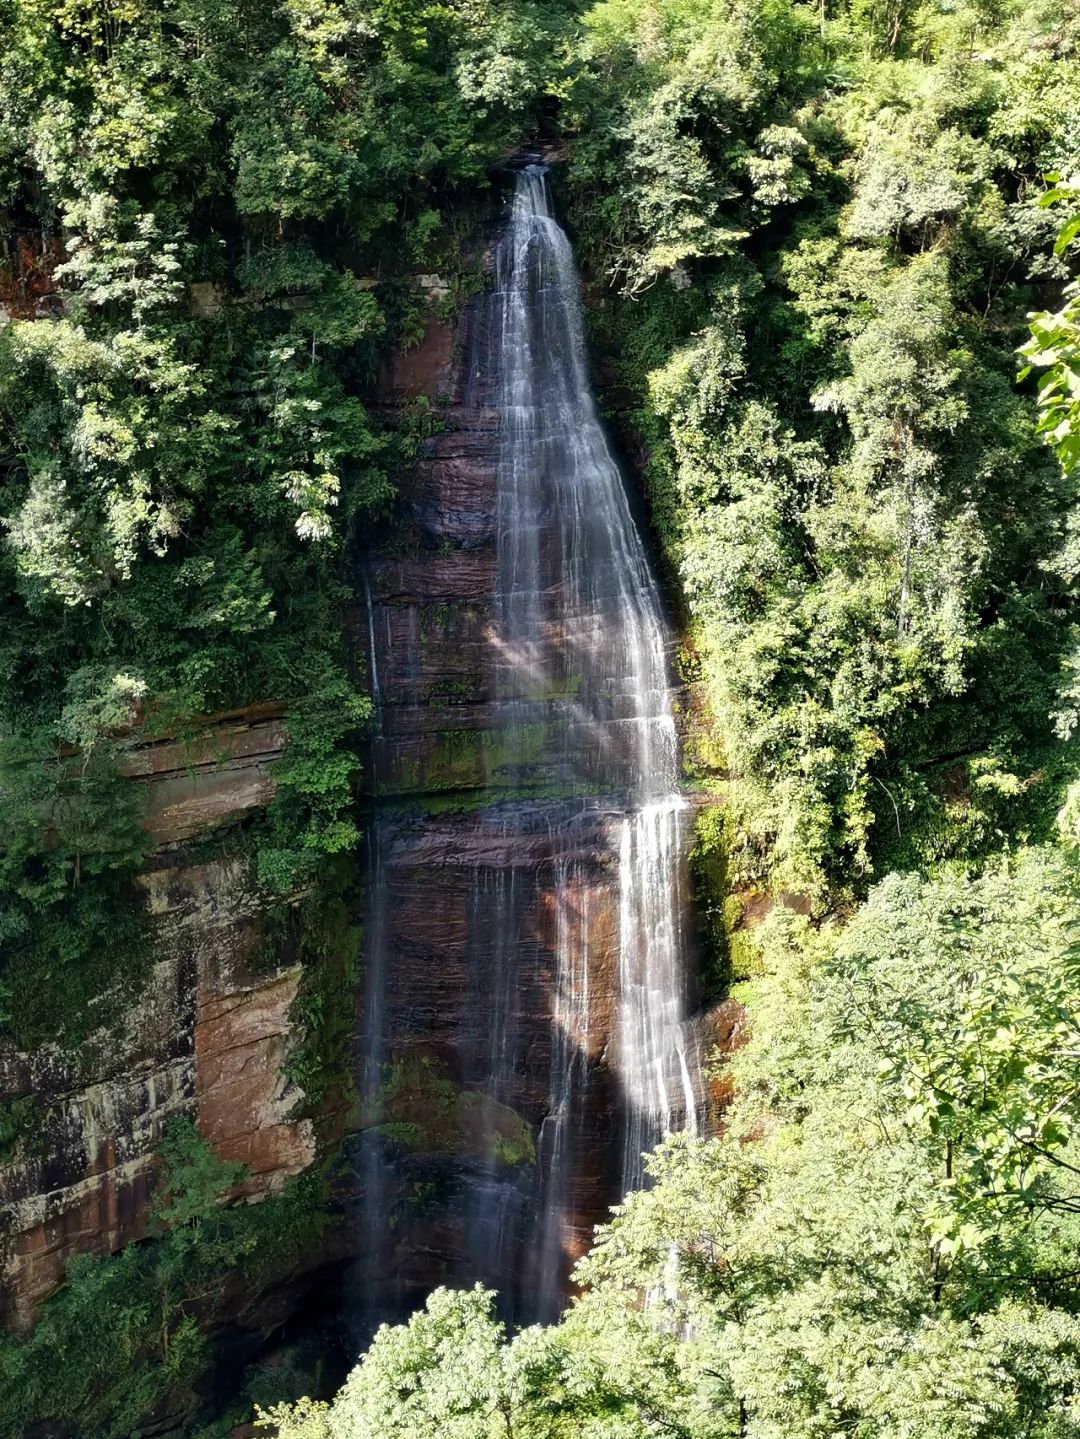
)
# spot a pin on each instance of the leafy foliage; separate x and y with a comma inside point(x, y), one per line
point(822, 236)
point(1055, 345)
point(71, 929)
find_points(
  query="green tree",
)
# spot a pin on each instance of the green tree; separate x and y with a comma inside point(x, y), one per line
point(1055, 348)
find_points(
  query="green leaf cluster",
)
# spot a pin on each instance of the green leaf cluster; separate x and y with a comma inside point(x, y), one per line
point(1054, 346)
point(821, 235)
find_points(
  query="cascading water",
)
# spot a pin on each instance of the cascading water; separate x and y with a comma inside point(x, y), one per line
point(580, 620)
point(571, 866)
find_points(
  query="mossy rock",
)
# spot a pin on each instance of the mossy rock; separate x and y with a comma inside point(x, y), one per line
point(420, 1109)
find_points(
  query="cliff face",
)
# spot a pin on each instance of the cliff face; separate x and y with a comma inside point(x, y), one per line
point(468, 913)
point(209, 1035)
point(205, 1039)
point(494, 1039)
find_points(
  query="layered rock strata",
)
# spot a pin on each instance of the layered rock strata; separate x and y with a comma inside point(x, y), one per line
point(206, 1037)
point(508, 793)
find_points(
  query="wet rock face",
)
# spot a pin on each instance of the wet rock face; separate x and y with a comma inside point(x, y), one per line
point(508, 756)
point(467, 903)
point(472, 924)
point(205, 1039)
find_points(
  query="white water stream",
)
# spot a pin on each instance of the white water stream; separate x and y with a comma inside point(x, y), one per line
point(576, 907)
point(583, 647)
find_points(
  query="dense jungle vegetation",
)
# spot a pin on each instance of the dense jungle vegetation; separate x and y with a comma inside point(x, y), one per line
point(813, 235)
point(215, 190)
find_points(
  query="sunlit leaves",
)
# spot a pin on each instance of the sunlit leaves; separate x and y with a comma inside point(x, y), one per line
point(970, 994)
point(1054, 348)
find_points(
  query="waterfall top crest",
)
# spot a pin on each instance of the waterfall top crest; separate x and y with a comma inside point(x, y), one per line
point(532, 196)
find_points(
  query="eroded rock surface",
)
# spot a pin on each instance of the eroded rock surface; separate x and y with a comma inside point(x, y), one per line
point(206, 1037)
point(490, 1143)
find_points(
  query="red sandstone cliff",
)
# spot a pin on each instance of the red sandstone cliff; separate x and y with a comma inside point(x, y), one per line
point(205, 1039)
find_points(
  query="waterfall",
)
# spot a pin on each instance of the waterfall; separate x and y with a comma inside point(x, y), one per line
point(553, 998)
point(583, 644)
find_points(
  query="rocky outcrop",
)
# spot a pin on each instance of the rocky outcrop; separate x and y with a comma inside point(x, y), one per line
point(215, 776)
point(205, 1038)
